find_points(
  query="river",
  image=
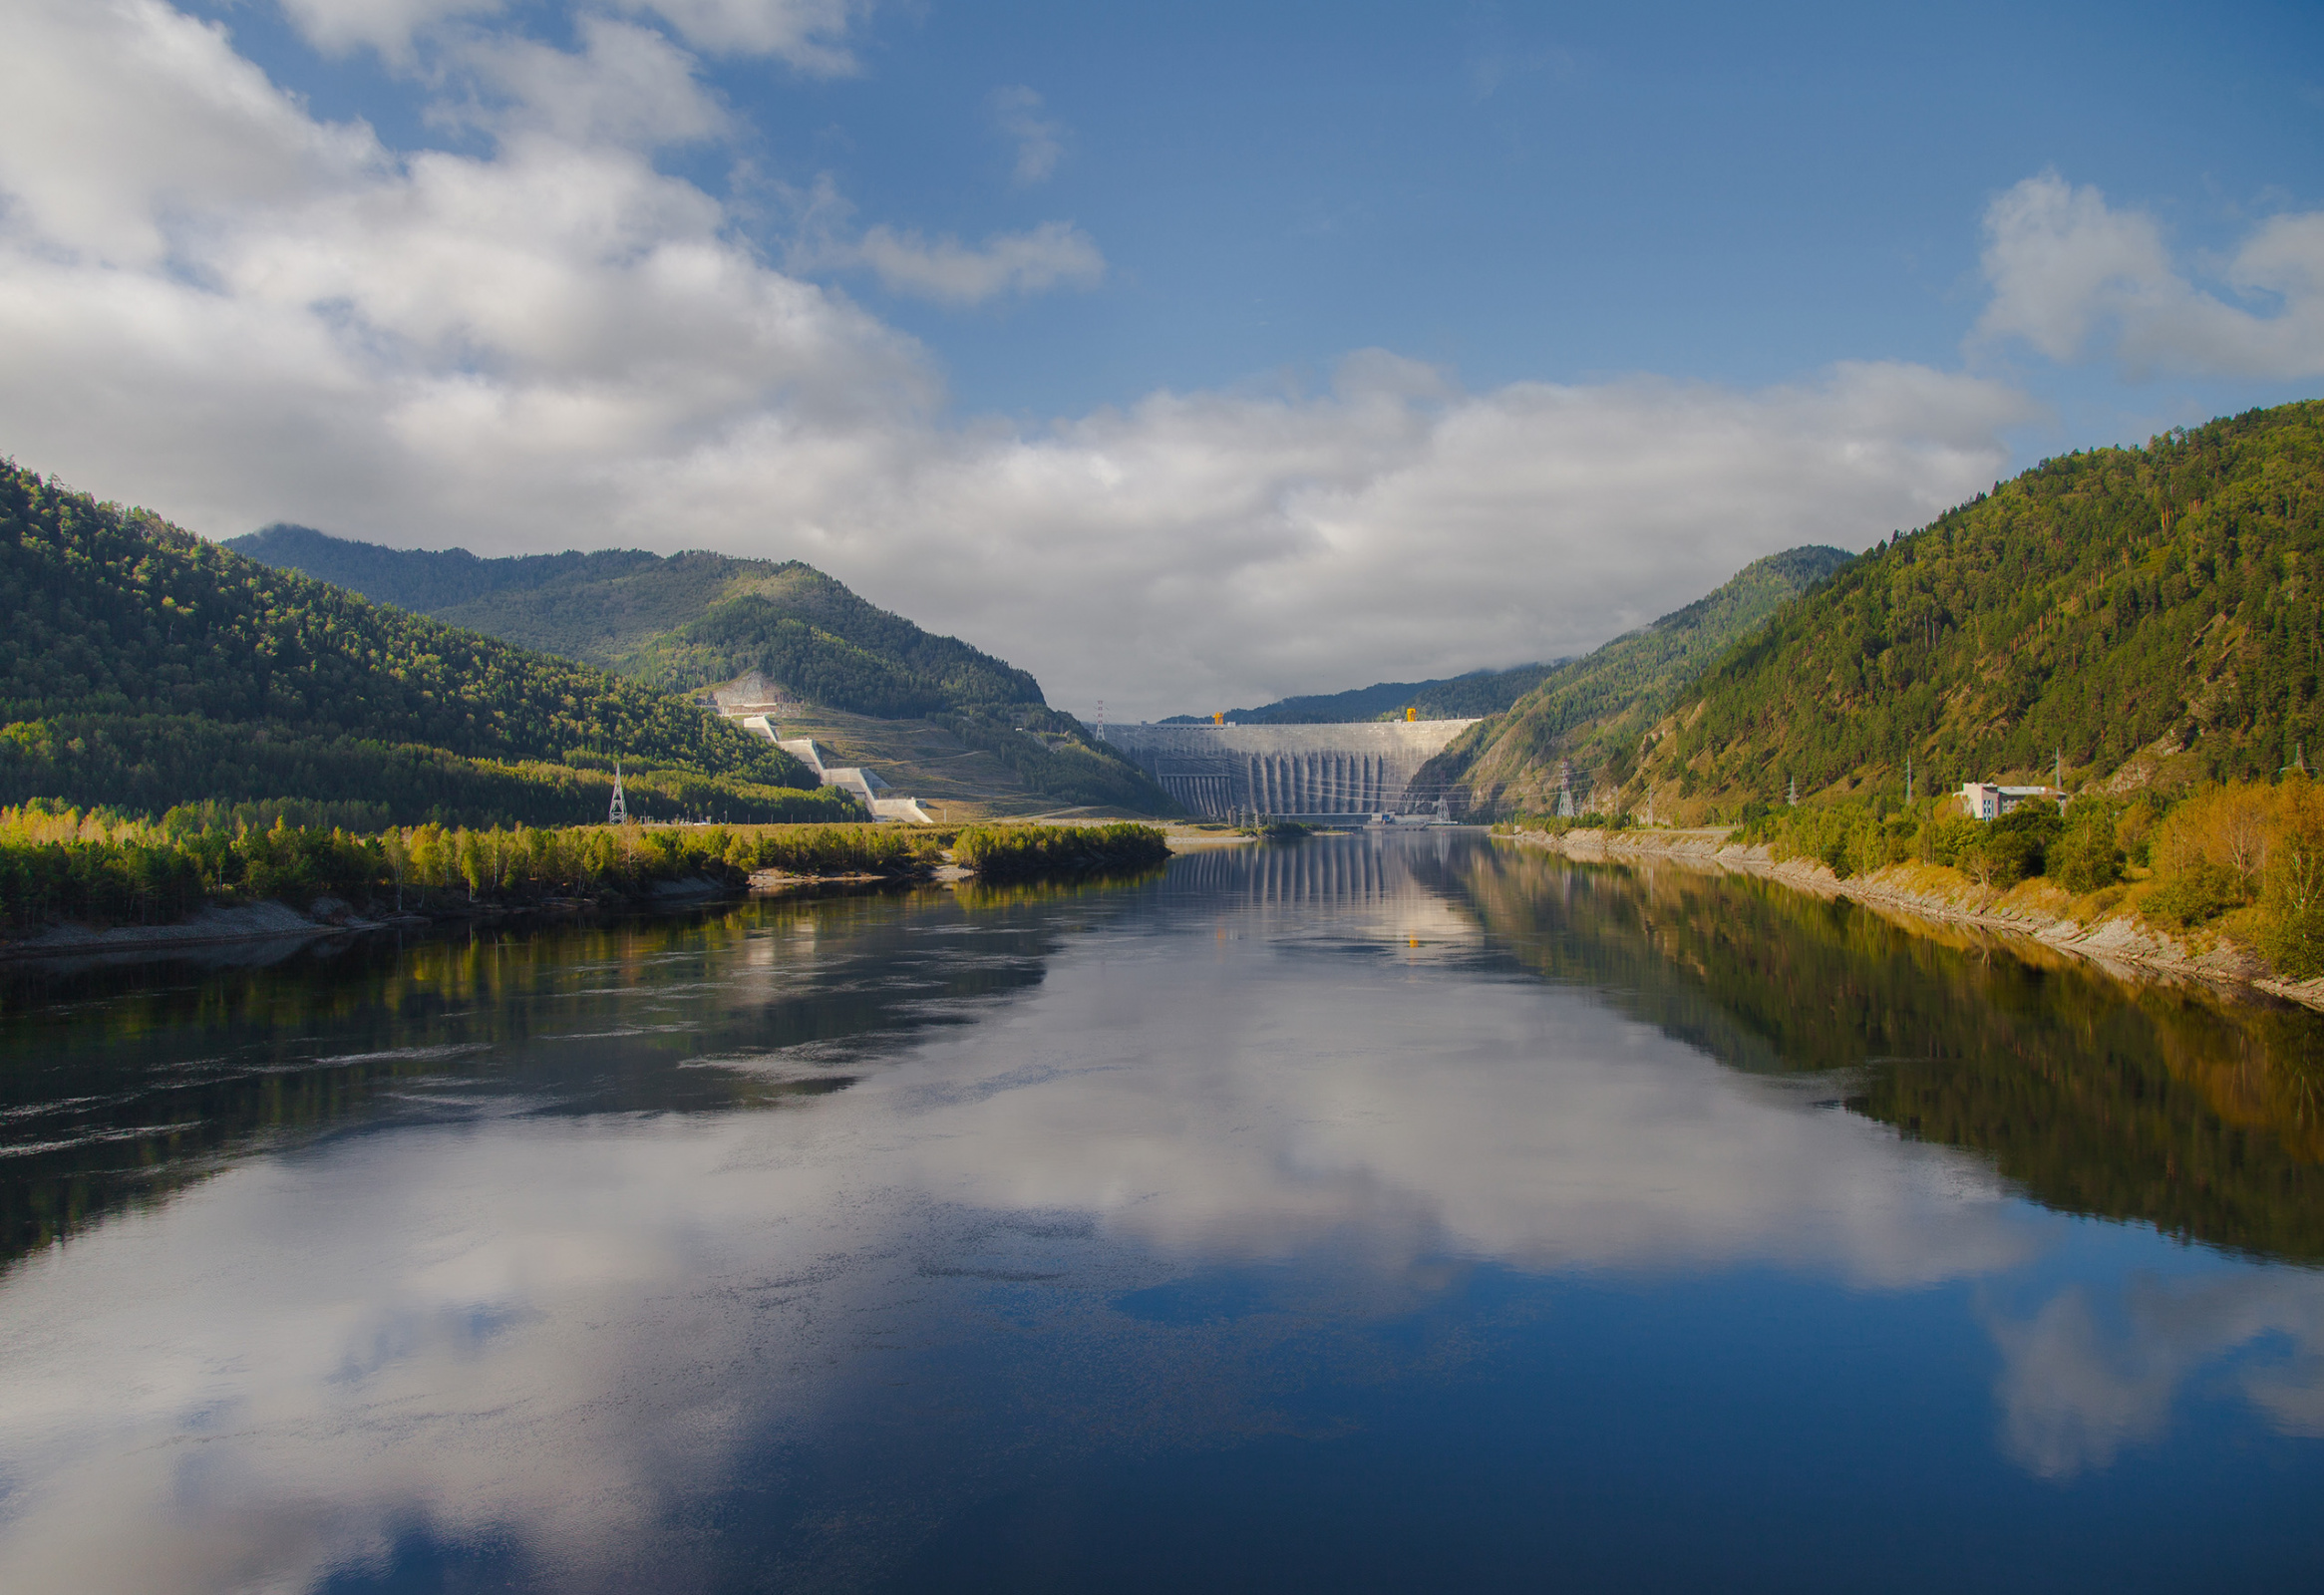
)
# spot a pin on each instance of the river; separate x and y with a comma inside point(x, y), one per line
point(1398, 1212)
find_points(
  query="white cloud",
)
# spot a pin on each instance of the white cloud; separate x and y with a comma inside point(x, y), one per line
point(218, 307)
point(337, 27)
point(809, 34)
point(1053, 255)
point(2073, 276)
point(826, 239)
point(227, 302)
point(627, 86)
point(1202, 551)
point(1040, 139)
point(120, 120)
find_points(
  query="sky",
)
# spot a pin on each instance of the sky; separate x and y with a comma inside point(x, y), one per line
point(1186, 355)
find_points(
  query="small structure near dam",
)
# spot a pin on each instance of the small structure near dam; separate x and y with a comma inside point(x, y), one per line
point(855, 781)
point(1292, 772)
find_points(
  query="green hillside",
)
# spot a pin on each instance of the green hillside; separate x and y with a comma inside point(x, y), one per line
point(2144, 615)
point(420, 580)
point(1586, 717)
point(695, 620)
point(678, 623)
point(1479, 693)
point(143, 667)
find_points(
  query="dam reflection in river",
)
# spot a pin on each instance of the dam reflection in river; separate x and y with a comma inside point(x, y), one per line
point(1369, 1212)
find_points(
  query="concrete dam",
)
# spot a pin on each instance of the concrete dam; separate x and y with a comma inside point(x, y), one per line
point(1218, 771)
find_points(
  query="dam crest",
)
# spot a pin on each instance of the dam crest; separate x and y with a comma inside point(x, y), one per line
point(1359, 768)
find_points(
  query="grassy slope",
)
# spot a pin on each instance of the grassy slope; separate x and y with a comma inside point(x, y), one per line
point(958, 783)
point(2149, 613)
point(1593, 710)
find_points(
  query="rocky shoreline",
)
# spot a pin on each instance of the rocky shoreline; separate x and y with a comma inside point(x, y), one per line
point(2036, 909)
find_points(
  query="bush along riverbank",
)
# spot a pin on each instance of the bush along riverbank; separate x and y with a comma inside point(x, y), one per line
point(1020, 852)
point(2225, 880)
point(61, 865)
point(99, 873)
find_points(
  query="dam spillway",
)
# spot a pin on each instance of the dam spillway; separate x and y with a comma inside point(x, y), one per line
point(1363, 767)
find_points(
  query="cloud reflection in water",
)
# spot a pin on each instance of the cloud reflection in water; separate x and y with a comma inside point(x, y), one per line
point(555, 1331)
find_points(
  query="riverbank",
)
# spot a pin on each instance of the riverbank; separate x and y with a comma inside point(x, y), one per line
point(269, 922)
point(701, 868)
point(2098, 926)
point(218, 924)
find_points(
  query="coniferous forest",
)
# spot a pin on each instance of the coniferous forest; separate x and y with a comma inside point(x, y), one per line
point(677, 623)
point(1579, 726)
point(693, 620)
point(1466, 697)
point(2141, 626)
point(2136, 615)
point(146, 668)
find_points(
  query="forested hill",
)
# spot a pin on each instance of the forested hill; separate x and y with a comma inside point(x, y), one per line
point(1586, 716)
point(2143, 614)
point(1480, 692)
point(681, 622)
point(144, 667)
point(423, 580)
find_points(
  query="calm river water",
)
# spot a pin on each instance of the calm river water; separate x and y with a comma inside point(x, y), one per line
point(1366, 1213)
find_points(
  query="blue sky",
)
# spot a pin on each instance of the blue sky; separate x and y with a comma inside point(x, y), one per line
point(1735, 193)
point(1310, 343)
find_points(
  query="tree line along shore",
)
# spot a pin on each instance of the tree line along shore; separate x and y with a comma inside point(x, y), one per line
point(98, 868)
point(2143, 626)
point(2239, 862)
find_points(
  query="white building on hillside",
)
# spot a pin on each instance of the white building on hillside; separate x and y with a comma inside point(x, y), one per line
point(1984, 801)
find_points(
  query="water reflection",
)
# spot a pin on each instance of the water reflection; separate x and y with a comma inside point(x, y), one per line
point(2163, 1104)
point(793, 1243)
point(2094, 1369)
point(122, 1081)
